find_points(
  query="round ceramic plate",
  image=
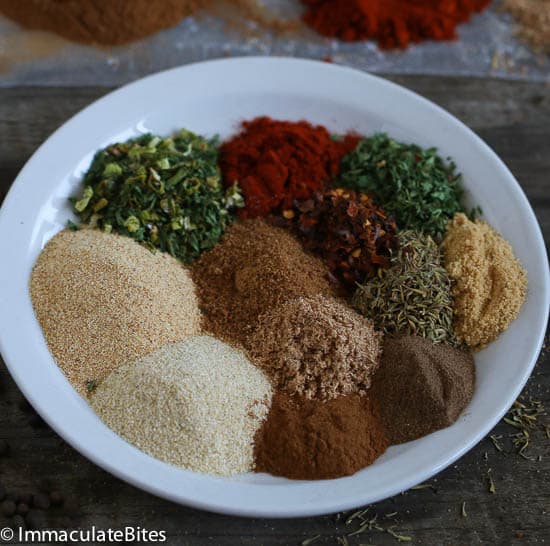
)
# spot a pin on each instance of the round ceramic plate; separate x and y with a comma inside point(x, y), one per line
point(212, 98)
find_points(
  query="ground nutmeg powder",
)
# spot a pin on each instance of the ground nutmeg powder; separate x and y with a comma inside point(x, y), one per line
point(315, 440)
point(421, 386)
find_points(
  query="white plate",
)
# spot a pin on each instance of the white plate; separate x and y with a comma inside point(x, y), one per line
point(212, 98)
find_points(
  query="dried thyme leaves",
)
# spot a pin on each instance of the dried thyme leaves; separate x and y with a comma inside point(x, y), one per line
point(163, 192)
point(413, 296)
point(415, 185)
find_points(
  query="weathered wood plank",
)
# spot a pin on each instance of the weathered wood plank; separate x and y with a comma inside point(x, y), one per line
point(514, 118)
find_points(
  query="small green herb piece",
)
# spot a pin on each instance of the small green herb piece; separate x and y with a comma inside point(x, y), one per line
point(463, 510)
point(91, 385)
point(413, 296)
point(165, 193)
point(492, 488)
point(72, 226)
point(413, 184)
point(311, 540)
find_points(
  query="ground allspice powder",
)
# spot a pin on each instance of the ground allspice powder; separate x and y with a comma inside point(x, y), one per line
point(108, 22)
point(313, 440)
point(421, 386)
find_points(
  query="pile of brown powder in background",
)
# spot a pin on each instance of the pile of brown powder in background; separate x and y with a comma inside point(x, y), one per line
point(103, 300)
point(533, 18)
point(489, 282)
point(109, 22)
point(421, 386)
point(316, 347)
point(253, 269)
point(314, 440)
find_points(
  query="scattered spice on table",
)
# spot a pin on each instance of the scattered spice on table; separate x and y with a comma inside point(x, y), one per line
point(533, 19)
point(489, 283)
point(354, 237)
point(316, 347)
point(196, 404)
point(413, 296)
point(255, 268)
point(421, 386)
point(276, 162)
point(108, 22)
point(313, 440)
point(102, 300)
point(393, 24)
point(163, 192)
point(415, 185)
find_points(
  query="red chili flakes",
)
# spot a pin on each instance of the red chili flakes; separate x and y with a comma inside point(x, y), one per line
point(353, 236)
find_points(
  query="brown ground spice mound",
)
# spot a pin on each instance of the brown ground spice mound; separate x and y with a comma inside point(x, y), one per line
point(489, 282)
point(109, 22)
point(421, 386)
point(316, 347)
point(255, 268)
point(314, 440)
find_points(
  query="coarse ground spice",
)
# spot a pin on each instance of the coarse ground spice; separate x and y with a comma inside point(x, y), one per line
point(421, 386)
point(196, 404)
point(108, 22)
point(533, 18)
point(490, 284)
point(103, 300)
point(316, 347)
point(315, 440)
point(392, 23)
point(255, 268)
point(276, 162)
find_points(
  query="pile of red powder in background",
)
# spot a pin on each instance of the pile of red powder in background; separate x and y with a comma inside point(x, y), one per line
point(393, 23)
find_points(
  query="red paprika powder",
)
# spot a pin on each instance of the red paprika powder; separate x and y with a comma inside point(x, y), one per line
point(278, 162)
point(393, 23)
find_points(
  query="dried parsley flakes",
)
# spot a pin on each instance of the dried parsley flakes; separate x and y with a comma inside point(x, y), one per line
point(415, 185)
point(413, 296)
point(163, 192)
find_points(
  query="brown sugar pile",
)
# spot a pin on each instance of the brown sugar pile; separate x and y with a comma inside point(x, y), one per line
point(103, 300)
point(489, 282)
point(421, 386)
point(316, 347)
point(255, 268)
point(314, 440)
point(109, 22)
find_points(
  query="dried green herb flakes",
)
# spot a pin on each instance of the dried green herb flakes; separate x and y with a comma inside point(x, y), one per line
point(413, 296)
point(163, 192)
point(415, 185)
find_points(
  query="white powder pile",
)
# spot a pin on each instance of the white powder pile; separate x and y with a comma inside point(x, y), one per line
point(104, 300)
point(195, 404)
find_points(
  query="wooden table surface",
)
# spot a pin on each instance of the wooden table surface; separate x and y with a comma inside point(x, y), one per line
point(455, 508)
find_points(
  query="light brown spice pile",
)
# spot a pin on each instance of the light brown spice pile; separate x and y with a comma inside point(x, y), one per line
point(255, 268)
point(196, 404)
point(533, 18)
point(316, 347)
point(103, 300)
point(489, 282)
point(109, 22)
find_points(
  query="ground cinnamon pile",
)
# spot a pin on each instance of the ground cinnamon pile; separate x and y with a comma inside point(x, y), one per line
point(421, 386)
point(108, 22)
point(255, 268)
point(392, 23)
point(313, 440)
point(316, 347)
